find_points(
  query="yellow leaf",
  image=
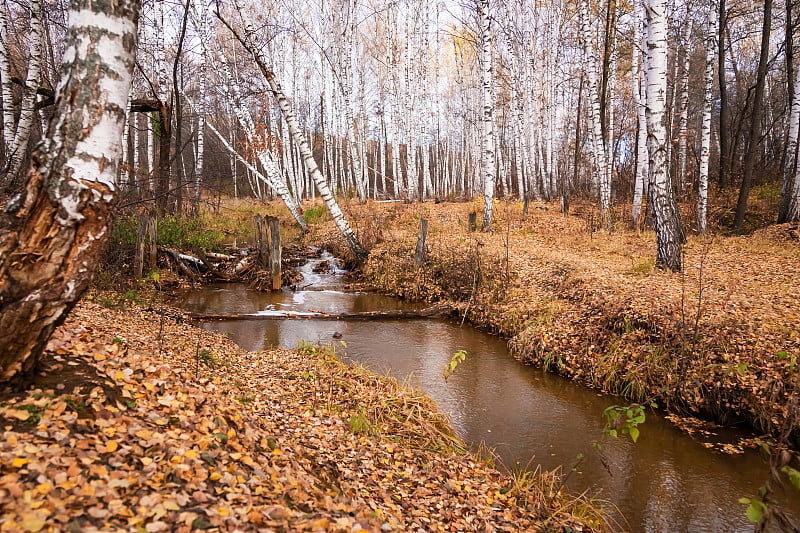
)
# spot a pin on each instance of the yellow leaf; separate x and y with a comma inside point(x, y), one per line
point(171, 505)
point(67, 485)
point(19, 462)
point(144, 434)
point(111, 446)
point(191, 454)
point(215, 476)
point(19, 414)
point(223, 511)
point(322, 523)
point(43, 488)
point(32, 522)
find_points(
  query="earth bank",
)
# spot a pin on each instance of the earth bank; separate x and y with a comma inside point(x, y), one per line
point(138, 421)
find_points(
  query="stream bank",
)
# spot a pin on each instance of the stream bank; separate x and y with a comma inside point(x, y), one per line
point(719, 342)
point(138, 421)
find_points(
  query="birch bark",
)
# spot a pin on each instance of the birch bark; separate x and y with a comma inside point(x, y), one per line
point(487, 141)
point(705, 133)
point(642, 167)
point(791, 152)
point(27, 112)
point(594, 116)
point(52, 234)
point(683, 118)
point(666, 218)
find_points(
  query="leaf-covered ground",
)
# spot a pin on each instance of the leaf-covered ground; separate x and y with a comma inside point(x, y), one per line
point(721, 340)
point(138, 422)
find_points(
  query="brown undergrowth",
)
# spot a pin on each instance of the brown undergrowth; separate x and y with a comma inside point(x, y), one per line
point(159, 426)
point(719, 340)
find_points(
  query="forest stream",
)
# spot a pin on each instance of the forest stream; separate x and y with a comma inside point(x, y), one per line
point(667, 481)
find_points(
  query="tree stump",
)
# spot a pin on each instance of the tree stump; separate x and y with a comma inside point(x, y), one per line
point(473, 222)
point(261, 238)
point(146, 240)
point(419, 254)
point(273, 234)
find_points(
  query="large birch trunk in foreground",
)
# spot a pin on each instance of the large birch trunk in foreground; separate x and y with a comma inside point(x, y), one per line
point(52, 234)
point(666, 218)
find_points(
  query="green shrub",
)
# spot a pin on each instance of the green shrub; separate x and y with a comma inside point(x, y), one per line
point(125, 231)
point(314, 214)
point(182, 233)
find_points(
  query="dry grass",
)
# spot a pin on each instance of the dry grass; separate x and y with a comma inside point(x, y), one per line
point(714, 340)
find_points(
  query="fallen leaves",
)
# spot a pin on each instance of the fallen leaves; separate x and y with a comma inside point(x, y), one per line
point(113, 436)
point(720, 339)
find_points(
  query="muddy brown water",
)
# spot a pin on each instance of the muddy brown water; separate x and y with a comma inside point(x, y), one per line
point(666, 482)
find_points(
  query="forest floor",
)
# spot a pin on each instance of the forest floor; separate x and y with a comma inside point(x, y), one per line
point(137, 421)
point(719, 341)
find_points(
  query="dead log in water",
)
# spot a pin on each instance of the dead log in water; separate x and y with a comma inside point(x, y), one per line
point(428, 312)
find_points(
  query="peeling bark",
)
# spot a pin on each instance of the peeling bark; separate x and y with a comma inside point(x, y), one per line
point(52, 234)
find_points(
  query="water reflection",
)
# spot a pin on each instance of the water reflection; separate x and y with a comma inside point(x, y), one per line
point(665, 482)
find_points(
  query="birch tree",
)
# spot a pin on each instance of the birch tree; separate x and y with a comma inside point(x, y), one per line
point(487, 99)
point(52, 234)
point(18, 133)
point(790, 163)
point(353, 244)
point(755, 119)
point(641, 176)
point(683, 102)
point(705, 130)
point(598, 147)
point(666, 218)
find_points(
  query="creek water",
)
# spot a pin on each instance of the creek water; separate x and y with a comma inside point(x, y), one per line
point(666, 482)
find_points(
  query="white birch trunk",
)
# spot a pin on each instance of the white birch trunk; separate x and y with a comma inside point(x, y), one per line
point(594, 116)
point(683, 118)
point(669, 238)
point(7, 85)
point(201, 118)
point(642, 158)
point(705, 130)
point(61, 223)
point(487, 100)
point(27, 113)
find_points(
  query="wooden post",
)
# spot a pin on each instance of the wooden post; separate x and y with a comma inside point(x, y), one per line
point(146, 238)
point(152, 230)
point(419, 255)
point(261, 250)
point(473, 222)
point(138, 263)
point(273, 232)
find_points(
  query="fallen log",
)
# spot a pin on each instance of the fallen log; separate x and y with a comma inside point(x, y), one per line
point(220, 257)
point(179, 259)
point(319, 315)
point(214, 271)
